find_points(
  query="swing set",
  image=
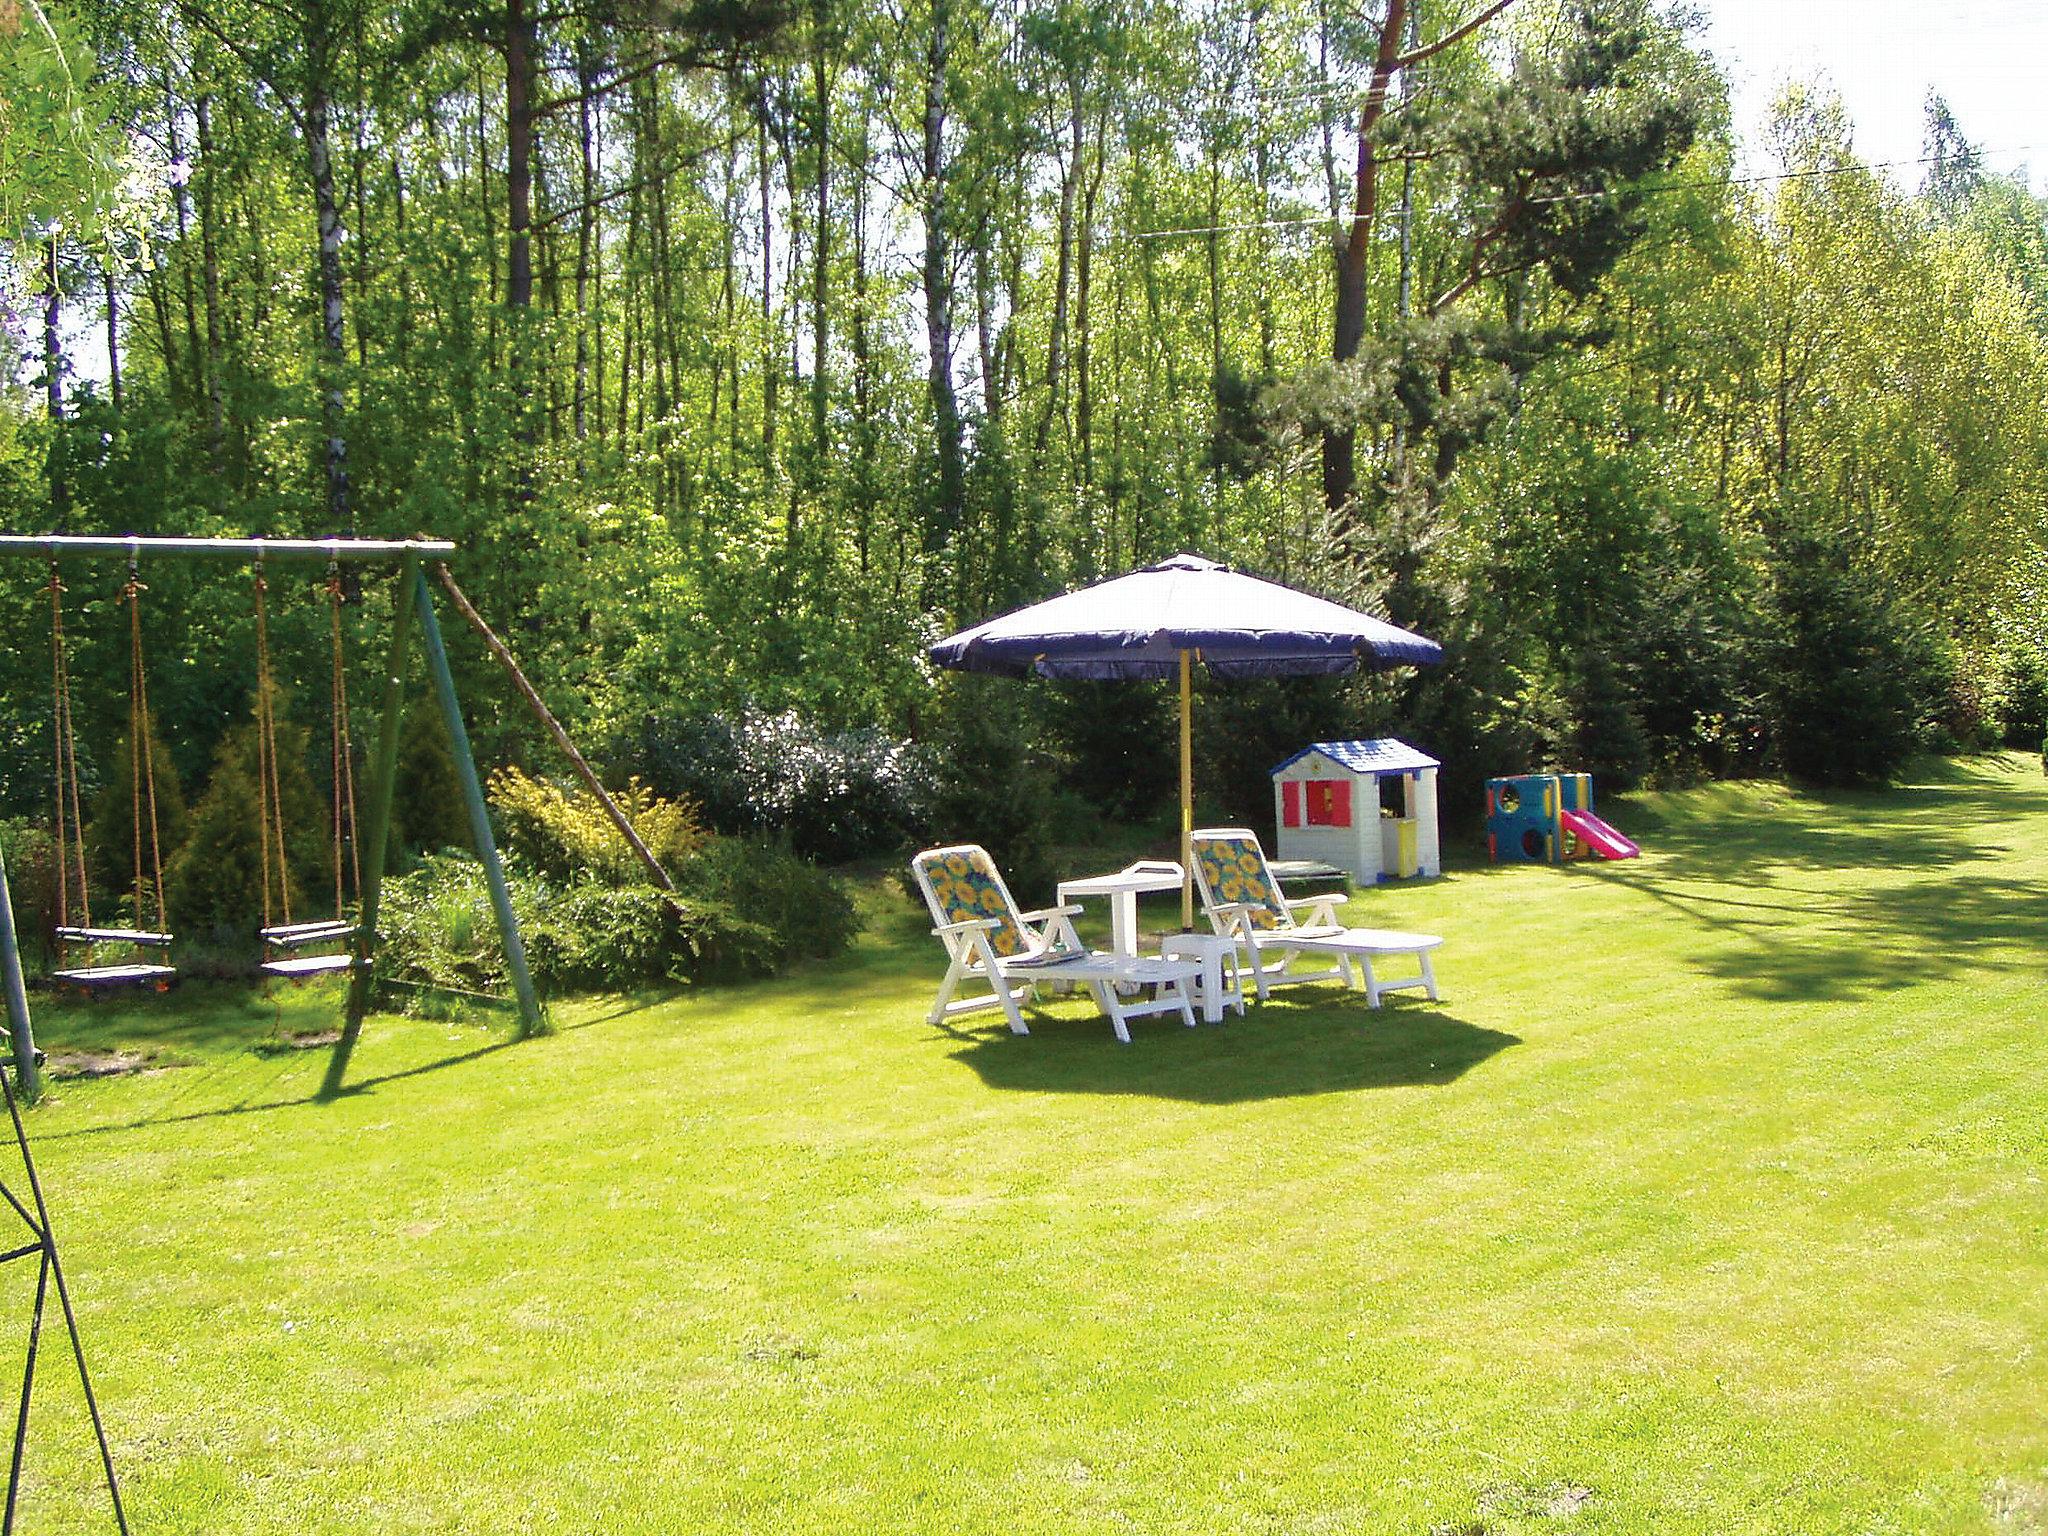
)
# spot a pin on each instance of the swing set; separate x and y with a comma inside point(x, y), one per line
point(137, 952)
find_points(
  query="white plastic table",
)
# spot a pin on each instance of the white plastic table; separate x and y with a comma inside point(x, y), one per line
point(1123, 889)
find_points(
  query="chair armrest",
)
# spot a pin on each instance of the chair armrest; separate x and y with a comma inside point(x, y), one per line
point(1233, 917)
point(1327, 899)
point(1072, 909)
point(967, 925)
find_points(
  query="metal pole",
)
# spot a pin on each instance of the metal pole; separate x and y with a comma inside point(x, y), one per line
point(530, 1022)
point(382, 776)
point(45, 546)
point(53, 1269)
point(546, 716)
point(1187, 799)
point(21, 1033)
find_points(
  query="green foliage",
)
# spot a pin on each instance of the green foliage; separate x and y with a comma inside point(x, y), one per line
point(31, 854)
point(1845, 680)
point(435, 925)
point(1608, 740)
point(215, 880)
point(426, 803)
point(111, 829)
point(772, 906)
point(565, 835)
point(703, 494)
point(994, 784)
point(834, 795)
point(59, 153)
point(749, 911)
point(2019, 684)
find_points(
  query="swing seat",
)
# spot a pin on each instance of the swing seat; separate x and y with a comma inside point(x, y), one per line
point(95, 978)
point(302, 967)
point(141, 938)
point(297, 935)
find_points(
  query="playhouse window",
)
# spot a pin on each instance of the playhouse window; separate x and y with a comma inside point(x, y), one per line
point(1329, 802)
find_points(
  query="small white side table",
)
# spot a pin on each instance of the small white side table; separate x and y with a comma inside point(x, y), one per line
point(1218, 985)
point(1123, 889)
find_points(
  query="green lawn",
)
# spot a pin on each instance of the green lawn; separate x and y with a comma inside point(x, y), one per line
point(1711, 1198)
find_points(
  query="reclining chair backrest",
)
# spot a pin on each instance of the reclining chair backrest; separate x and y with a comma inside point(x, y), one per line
point(1231, 867)
point(961, 884)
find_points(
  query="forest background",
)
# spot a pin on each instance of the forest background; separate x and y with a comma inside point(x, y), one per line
point(746, 348)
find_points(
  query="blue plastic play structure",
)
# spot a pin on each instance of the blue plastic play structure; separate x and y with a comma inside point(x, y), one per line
point(1546, 818)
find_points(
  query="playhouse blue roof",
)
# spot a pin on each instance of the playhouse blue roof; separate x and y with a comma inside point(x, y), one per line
point(1382, 755)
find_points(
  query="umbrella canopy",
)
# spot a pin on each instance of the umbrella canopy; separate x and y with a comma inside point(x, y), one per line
point(1137, 626)
point(1156, 622)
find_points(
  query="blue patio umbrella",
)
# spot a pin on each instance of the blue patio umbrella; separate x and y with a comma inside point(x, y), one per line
point(1157, 622)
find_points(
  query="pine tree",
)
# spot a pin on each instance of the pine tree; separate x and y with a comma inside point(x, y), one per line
point(110, 832)
point(216, 879)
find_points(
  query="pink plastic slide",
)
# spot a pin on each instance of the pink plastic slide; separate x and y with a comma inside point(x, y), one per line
point(1598, 836)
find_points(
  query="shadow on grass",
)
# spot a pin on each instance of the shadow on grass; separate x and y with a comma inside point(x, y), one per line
point(1831, 896)
point(1279, 1050)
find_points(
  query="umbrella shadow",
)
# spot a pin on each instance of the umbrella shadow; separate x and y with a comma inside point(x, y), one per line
point(1280, 1049)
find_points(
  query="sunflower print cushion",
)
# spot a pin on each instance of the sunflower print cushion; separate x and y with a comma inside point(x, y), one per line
point(1233, 871)
point(964, 882)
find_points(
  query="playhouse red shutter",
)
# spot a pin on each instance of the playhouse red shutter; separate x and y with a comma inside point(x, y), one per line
point(1329, 802)
point(1290, 804)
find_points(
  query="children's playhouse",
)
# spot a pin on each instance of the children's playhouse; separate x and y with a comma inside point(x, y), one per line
point(1536, 818)
point(1365, 807)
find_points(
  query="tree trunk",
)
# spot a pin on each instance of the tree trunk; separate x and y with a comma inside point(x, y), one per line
point(113, 334)
point(328, 211)
point(53, 381)
point(821, 254)
point(771, 369)
point(586, 79)
point(181, 203)
point(521, 38)
point(1056, 341)
point(209, 248)
point(937, 275)
point(863, 401)
point(1353, 252)
point(1084, 405)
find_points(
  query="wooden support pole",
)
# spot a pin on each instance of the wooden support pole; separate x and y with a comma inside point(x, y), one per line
point(546, 717)
point(530, 1021)
point(383, 775)
point(1187, 796)
point(21, 1034)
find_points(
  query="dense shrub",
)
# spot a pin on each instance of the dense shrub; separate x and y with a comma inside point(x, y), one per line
point(747, 911)
point(427, 810)
point(1114, 741)
point(565, 835)
point(1845, 680)
point(110, 826)
point(1607, 739)
point(804, 913)
point(2019, 676)
point(592, 937)
point(993, 784)
point(31, 854)
point(215, 880)
point(835, 795)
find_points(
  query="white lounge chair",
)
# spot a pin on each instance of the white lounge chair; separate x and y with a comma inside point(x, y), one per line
point(1244, 901)
point(987, 939)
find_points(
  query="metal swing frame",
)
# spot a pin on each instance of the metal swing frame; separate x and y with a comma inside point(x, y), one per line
point(414, 603)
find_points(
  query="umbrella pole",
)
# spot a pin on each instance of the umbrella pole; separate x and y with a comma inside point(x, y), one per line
point(1187, 802)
